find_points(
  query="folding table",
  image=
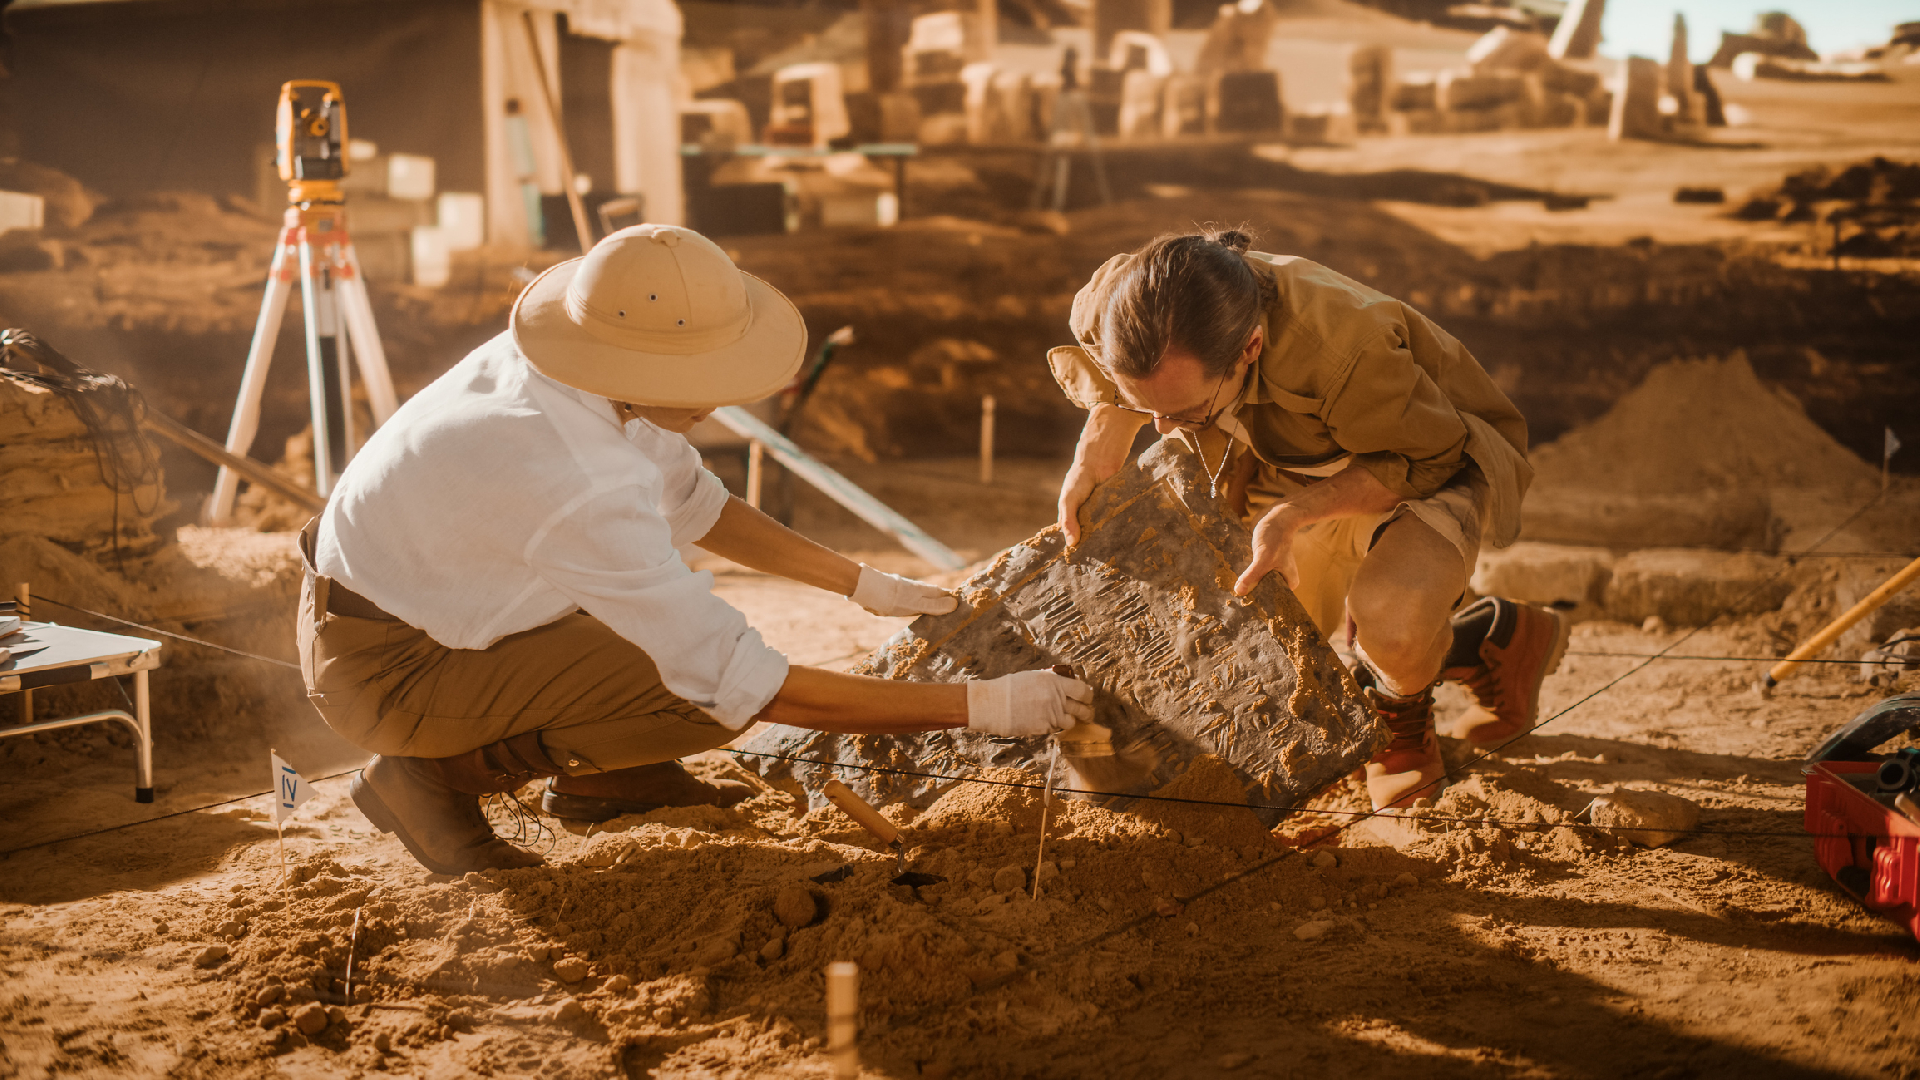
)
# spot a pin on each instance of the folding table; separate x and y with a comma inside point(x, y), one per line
point(47, 654)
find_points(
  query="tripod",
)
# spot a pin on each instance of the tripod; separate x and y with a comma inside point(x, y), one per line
point(1072, 123)
point(314, 248)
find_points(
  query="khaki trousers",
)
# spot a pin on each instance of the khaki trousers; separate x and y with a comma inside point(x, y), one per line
point(595, 697)
point(1328, 553)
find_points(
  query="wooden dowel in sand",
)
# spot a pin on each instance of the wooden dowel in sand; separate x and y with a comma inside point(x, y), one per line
point(756, 471)
point(23, 593)
point(987, 408)
point(843, 1008)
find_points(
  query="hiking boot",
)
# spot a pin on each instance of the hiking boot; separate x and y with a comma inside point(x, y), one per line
point(1503, 650)
point(602, 796)
point(1408, 770)
point(440, 825)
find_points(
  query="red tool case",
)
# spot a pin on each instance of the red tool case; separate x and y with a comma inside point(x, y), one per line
point(1870, 847)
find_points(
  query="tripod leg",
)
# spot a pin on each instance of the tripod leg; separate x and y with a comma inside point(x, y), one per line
point(343, 361)
point(358, 310)
point(246, 408)
point(317, 300)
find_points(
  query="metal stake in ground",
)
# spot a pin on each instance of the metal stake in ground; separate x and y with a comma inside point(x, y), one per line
point(314, 249)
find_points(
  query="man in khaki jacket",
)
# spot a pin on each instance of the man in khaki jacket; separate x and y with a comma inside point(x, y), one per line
point(1367, 449)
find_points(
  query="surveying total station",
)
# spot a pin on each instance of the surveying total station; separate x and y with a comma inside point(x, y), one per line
point(311, 152)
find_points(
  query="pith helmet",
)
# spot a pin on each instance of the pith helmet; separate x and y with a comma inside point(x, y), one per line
point(658, 315)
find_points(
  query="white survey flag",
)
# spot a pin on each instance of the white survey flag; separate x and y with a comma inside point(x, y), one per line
point(1893, 446)
point(290, 789)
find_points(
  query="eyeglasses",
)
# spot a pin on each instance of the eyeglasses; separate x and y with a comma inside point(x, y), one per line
point(1196, 422)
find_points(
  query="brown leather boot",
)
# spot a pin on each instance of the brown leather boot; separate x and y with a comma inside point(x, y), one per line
point(1519, 647)
point(1408, 770)
point(607, 795)
point(433, 806)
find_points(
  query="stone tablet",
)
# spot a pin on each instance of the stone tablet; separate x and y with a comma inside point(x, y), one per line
point(1143, 609)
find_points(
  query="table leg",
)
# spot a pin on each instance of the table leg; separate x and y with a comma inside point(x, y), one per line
point(143, 715)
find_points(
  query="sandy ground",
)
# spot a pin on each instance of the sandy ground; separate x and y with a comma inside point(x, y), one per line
point(1189, 943)
point(1169, 946)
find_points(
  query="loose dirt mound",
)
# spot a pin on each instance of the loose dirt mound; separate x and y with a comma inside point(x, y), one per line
point(1700, 425)
point(1698, 455)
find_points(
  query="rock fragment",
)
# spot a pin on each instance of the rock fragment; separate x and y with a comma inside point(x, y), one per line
point(272, 1018)
point(774, 949)
point(619, 984)
point(1009, 879)
point(310, 1018)
point(795, 906)
point(570, 969)
point(1312, 931)
point(210, 956)
point(1648, 818)
point(1326, 860)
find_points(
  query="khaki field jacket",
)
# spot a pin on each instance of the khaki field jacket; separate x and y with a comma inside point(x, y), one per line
point(1348, 370)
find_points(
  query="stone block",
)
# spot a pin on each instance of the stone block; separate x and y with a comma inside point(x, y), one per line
point(1143, 610)
point(1647, 818)
point(1688, 588)
point(1545, 573)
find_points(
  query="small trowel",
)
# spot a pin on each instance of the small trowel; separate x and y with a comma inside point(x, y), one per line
point(863, 812)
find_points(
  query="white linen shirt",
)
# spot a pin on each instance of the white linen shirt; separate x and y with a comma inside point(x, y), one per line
point(498, 500)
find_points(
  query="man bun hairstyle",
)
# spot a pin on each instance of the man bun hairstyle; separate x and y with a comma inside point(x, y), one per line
point(1193, 292)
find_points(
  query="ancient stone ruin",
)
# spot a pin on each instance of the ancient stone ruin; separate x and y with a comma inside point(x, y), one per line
point(1143, 609)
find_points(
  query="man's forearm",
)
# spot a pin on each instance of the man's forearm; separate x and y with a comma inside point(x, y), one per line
point(1107, 439)
point(823, 700)
point(1351, 492)
point(758, 542)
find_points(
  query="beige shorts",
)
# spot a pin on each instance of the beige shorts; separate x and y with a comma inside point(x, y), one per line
point(1328, 553)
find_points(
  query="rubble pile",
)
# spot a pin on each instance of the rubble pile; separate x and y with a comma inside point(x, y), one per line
point(1874, 206)
point(60, 481)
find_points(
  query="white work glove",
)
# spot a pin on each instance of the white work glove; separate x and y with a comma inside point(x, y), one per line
point(890, 594)
point(1027, 703)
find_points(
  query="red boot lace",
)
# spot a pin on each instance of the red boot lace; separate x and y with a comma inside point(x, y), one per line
point(1408, 720)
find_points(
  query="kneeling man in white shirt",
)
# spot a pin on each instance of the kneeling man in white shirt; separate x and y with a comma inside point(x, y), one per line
point(495, 595)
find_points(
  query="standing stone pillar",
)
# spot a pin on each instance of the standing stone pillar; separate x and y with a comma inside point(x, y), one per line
point(1680, 72)
point(1578, 34)
point(1636, 101)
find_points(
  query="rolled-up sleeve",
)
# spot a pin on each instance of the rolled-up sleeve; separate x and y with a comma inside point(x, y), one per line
point(616, 560)
point(1080, 378)
point(1395, 420)
point(692, 503)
